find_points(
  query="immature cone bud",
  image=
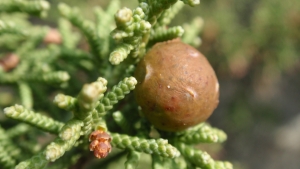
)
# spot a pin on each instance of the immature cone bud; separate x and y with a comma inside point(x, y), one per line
point(123, 16)
point(52, 36)
point(100, 143)
point(177, 87)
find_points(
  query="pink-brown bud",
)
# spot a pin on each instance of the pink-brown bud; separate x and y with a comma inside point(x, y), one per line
point(100, 143)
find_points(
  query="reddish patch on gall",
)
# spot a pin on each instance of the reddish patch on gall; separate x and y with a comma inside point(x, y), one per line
point(170, 108)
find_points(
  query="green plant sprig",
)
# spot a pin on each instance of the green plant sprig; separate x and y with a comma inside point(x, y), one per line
point(160, 147)
point(132, 161)
point(38, 8)
point(6, 160)
point(58, 77)
point(117, 93)
point(195, 28)
point(25, 95)
point(69, 38)
point(131, 28)
point(9, 152)
point(37, 161)
point(159, 162)
point(162, 34)
point(12, 28)
point(65, 102)
point(122, 122)
point(18, 130)
point(38, 120)
point(201, 159)
point(203, 134)
point(167, 16)
point(106, 18)
point(68, 136)
point(85, 26)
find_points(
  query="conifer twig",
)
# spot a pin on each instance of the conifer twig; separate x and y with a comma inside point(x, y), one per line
point(160, 147)
point(31, 7)
point(132, 160)
point(18, 112)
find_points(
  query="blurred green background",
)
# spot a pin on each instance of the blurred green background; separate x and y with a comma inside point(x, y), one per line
point(254, 47)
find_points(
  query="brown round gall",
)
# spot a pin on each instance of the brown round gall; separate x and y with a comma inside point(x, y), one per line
point(53, 36)
point(9, 62)
point(177, 87)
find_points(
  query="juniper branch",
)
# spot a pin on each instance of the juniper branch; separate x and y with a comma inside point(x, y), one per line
point(200, 158)
point(83, 106)
point(117, 93)
point(195, 27)
point(18, 130)
point(122, 122)
point(25, 95)
point(58, 77)
point(9, 146)
point(131, 27)
point(159, 146)
point(6, 160)
point(162, 34)
point(105, 18)
point(68, 136)
point(31, 147)
point(203, 134)
point(132, 160)
point(159, 162)
point(12, 28)
point(45, 123)
point(120, 53)
point(166, 17)
point(85, 26)
point(65, 102)
point(223, 165)
point(69, 38)
point(87, 100)
point(38, 161)
point(90, 94)
point(31, 7)
point(191, 2)
point(113, 6)
point(34, 40)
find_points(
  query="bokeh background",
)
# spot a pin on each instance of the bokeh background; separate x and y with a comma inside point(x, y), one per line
point(254, 47)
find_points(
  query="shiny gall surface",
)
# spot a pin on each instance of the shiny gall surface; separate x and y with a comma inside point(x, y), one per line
point(177, 87)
